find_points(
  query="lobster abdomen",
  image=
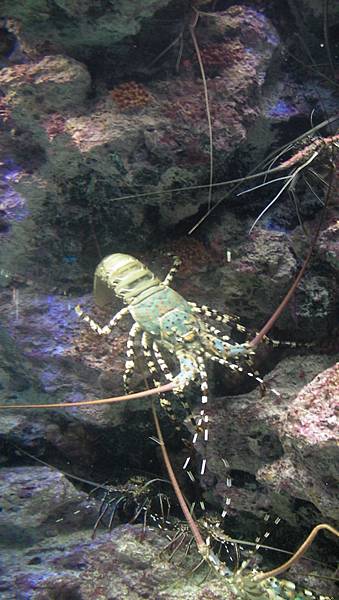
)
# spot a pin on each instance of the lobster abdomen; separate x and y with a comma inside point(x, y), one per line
point(156, 307)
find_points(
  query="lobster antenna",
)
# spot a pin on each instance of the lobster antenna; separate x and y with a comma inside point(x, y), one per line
point(300, 552)
point(192, 524)
point(268, 326)
point(158, 390)
point(192, 27)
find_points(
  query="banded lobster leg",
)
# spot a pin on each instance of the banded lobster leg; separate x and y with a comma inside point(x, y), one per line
point(150, 350)
point(176, 264)
point(201, 426)
point(107, 329)
point(146, 345)
point(212, 313)
point(130, 363)
point(227, 319)
point(164, 401)
point(235, 367)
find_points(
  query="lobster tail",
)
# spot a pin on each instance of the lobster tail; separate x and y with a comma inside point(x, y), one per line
point(124, 275)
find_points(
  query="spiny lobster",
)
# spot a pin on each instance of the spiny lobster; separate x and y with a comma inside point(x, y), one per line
point(166, 322)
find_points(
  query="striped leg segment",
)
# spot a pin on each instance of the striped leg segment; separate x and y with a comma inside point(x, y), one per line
point(146, 348)
point(216, 332)
point(202, 424)
point(129, 364)
point(211, 313)
point(165, 369)
point(240, 369)
point(107, 329)
point(165, 402)
point(161, 362)
point(173, 270)
point(118, 316)
point(233, 320)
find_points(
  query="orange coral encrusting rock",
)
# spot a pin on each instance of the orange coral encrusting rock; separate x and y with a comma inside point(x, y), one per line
point(130, 95)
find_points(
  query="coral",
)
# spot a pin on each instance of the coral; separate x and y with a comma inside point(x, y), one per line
point(54, 125)
point(221, 55)
point(130, 95)
point(194, 255)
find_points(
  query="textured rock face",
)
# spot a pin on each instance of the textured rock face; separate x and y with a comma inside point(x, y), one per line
point(104, 131)
point(96, 155)
point(309, 437)
point(38, 503)
point(53, 83)
point(313, 8)
point(79, 27)
point(287, 442)
point(124, 564)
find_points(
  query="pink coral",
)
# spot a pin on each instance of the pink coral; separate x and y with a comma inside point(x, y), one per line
point(221, 55)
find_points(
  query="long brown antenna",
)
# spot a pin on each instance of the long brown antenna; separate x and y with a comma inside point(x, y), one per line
point(192, 524)
point(192, 27)
point(158, 390)
point(268, 326)
point(300, 552)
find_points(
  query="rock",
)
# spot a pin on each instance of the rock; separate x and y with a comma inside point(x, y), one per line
point(37, 503)
point(78, 28)
point(329, 243)
point(308, 436)
point(127, 563)
point(123, 564)
point(91, 156)
point(15, 370)
point(53, 83)
point(286, 442)
point(311, 9)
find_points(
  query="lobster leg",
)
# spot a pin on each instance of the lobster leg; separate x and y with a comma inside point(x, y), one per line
point(188, 370)
point(162, 364)
point(211, 313)
point(202, 424)
point(164, 402)
point(107, 329)
point(129, 365)
point(172, 271)
point(235, 367)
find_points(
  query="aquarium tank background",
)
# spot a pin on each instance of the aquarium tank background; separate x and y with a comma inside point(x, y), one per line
point(169, 265)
